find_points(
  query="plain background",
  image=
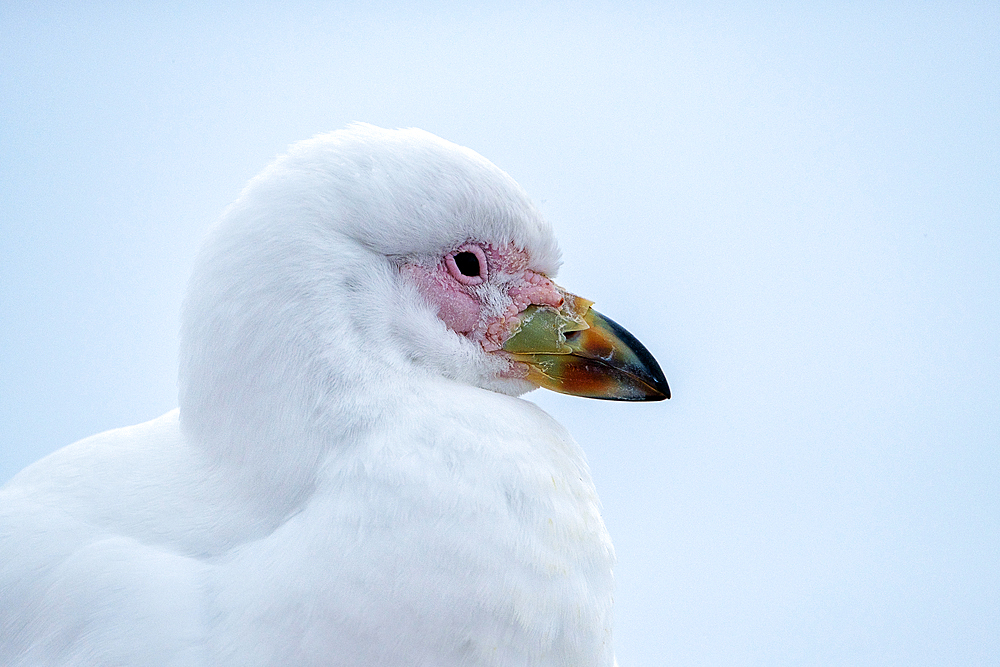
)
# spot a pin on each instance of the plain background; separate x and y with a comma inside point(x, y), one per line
point(796, 209)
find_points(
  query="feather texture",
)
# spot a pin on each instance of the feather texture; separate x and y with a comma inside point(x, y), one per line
point(347, 481)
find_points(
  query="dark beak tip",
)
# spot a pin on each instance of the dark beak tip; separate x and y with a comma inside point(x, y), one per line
point(659, 390)
point(663, 387)
point(651, 374)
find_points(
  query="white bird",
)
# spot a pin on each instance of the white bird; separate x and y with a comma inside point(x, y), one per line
point(350, 478)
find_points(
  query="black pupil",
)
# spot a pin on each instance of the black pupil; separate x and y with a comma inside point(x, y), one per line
point(467, 263)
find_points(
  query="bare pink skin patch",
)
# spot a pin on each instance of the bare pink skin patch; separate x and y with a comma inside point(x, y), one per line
point(456, 307)
point(480, 291)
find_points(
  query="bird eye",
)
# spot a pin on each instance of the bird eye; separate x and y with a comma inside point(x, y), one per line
point(467, 265)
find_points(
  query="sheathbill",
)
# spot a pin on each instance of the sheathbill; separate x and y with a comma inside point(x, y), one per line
point(350, 478)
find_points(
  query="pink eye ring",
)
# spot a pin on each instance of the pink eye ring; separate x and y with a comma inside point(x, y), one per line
point(467, 265)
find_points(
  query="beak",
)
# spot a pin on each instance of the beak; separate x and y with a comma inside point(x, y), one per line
point(576, 350)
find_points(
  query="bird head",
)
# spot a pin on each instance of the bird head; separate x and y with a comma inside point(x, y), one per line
point(370, 258)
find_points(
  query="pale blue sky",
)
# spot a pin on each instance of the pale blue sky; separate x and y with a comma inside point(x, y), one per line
point(797, 210)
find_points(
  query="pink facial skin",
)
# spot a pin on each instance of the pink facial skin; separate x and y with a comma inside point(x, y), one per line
point(484, 307)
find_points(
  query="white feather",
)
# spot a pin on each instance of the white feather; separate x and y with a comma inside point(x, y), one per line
point(346, 482)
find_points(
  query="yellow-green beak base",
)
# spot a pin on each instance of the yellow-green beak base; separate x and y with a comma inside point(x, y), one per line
point(576, 350)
